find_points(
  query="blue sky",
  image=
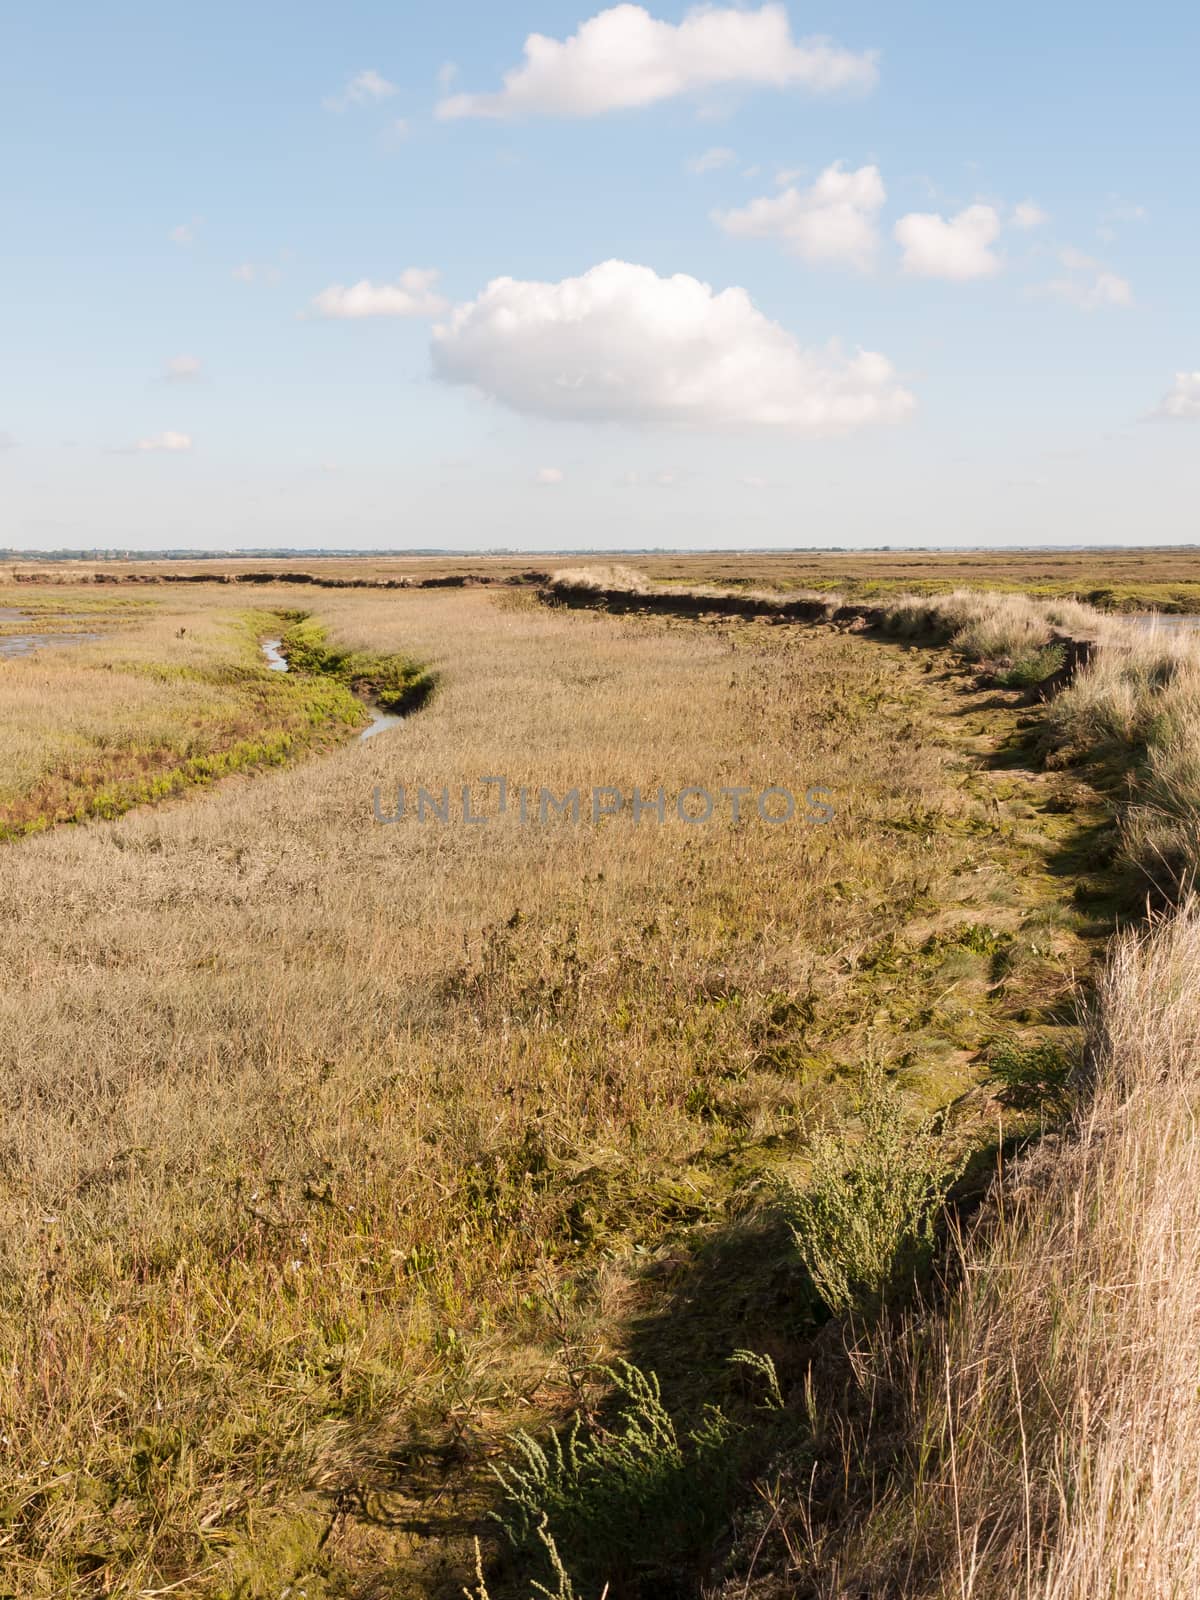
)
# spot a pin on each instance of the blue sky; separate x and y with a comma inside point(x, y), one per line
point(998, 203)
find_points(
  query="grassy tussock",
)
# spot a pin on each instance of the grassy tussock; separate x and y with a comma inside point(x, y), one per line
point(1137, 706)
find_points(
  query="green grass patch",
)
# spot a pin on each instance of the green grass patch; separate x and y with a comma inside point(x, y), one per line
point(395, 683)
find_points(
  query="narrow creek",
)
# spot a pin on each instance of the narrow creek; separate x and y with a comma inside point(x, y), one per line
point(380, 720)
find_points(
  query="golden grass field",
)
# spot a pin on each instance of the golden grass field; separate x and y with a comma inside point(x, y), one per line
point(335, 1153)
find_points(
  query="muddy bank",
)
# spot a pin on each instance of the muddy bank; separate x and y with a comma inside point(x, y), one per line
point(857, 615)
point(466, 580)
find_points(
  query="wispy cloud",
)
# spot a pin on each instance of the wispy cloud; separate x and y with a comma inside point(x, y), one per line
point(172, 443)
point(183, 369)
point(712, 160)
point(363, 89)
point(1181, 403)
point(257, 272)
point(1088, 285)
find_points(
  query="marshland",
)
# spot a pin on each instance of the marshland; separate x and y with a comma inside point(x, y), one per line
point(685, 1209)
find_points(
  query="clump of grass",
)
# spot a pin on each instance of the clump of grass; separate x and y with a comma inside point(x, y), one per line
point(864, 1219)
point(627, 1496)
point(1033, 667)
point(1033, 1076)
point(1137, 706)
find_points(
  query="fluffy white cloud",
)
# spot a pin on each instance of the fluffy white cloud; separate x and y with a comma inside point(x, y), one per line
point(624, 57)
point(1090, 286)
point(1029, 215)
point(363, 89)
point(166, 441)
point(712, 160)
point(412, 295)
point(957, 248)
point(1181, 403)
point(183, 369)
point(547, 476)
point(186, 232)
point(835, 219)
point(622, 344)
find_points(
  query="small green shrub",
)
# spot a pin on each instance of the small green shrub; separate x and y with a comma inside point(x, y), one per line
point(1032, 1077)
point(864, 1222)
point(622, 1499)
point(1033, 667)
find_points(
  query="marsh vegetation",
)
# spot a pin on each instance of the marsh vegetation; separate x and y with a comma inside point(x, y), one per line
point(370, 1191)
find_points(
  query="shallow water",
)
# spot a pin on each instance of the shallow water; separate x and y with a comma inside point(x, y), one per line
point(13, 645)
point(1166, 621)
point(380, 722)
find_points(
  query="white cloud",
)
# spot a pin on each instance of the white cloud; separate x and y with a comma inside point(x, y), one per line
point(957, 248)
point(363, 89)
point(1181, 403)
point(412, 295)
point(7, 442)
point(183, 369)
point(446, 74)
point(186, 232)
point(719, 156)
point(165, 441)
point(546, 476)
point(1029, 215)
point(624, 57)
point(1090, 286)
point(750, 481)
point(833, 220)
point(622, 344)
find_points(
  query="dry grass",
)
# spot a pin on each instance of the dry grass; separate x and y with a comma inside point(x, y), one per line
point(1051, 1421)
point(330, 1150)
point(1137, 706)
